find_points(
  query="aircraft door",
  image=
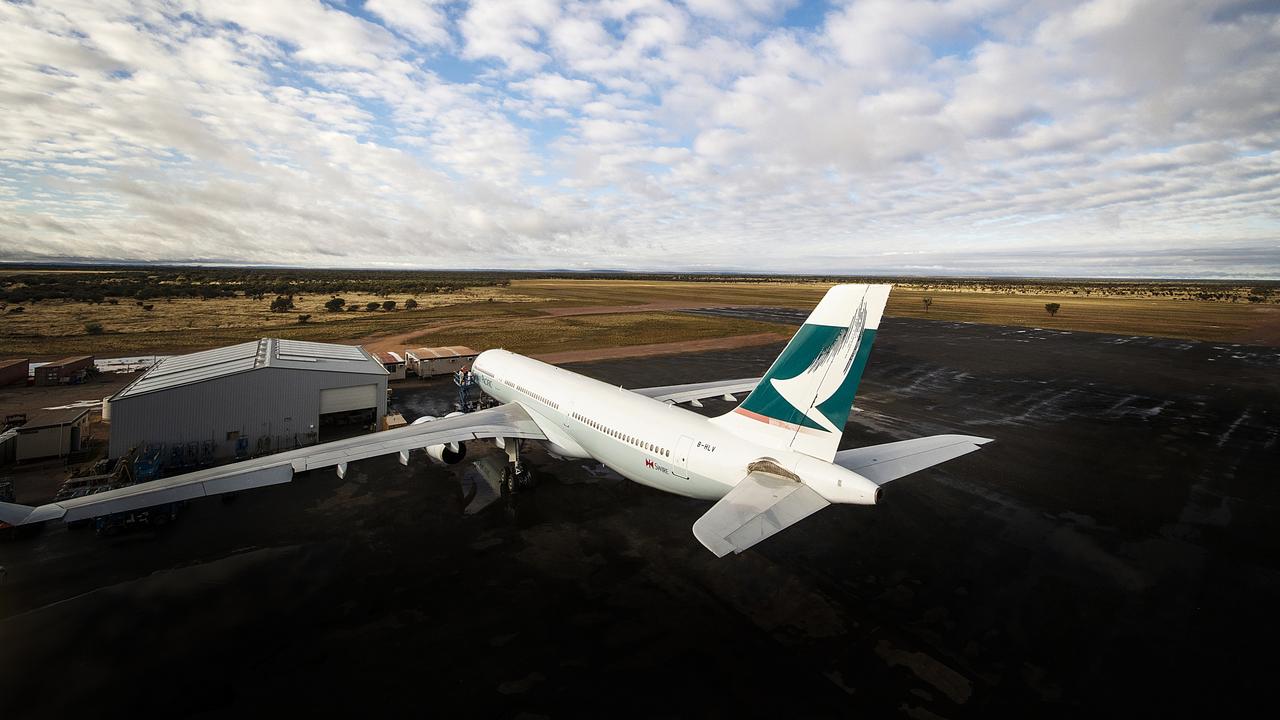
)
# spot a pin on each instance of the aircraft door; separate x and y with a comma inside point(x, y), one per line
point(681, 459)
point(566, 412)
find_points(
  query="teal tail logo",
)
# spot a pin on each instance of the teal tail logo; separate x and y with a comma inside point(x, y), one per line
point(812, 384)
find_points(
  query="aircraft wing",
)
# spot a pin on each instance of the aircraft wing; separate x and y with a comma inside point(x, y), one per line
point(507, 421)
point(757, 508)
point(883, 463)
point(692, 392)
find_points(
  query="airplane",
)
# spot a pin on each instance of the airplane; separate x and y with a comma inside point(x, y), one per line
point(770, 462)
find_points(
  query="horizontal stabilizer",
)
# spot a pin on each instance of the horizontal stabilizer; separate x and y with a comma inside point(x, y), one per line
point(693, 392)
point(757, 508)
point(882, 463)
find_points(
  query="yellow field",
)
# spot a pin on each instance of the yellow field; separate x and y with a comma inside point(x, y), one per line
point(486, 314)
point(638, 292)
point(57, 327)
point(1161, 316)
point(534, 336)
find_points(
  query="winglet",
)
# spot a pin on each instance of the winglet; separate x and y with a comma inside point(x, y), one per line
point(26, 515)
point(14, 514)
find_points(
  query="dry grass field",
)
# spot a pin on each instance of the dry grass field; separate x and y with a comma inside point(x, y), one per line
point(485, 315)
point(1156, 316)
point(58, 327)
point(1141, 313)
point(570, 292)
point(538, 335)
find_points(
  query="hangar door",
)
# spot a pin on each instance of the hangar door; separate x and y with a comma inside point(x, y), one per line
point(358, 397)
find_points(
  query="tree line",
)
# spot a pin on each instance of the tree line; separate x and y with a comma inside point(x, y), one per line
point(208, 283)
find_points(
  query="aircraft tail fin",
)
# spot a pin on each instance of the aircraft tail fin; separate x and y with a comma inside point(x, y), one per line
point(803, 402)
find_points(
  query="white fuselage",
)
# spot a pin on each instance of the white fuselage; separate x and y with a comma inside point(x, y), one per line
point(648, 441)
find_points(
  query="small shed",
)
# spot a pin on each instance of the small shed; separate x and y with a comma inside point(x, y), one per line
point(67, 370)
point(8, 448)
point(428, 362)
point(52, 433)
point(13, 372)
point(393, 363)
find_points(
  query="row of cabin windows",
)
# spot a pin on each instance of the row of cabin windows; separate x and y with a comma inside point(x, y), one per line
point(536, 396)
point(642, 444)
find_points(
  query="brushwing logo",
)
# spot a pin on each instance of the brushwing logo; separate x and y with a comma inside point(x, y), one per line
point(813, 387)
point(813, 382)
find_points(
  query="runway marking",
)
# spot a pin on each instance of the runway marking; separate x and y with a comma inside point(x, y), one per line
point(1222, 439)
point(1055, 398)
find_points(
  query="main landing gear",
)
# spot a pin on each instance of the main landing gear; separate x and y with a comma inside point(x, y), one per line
point(515, 476)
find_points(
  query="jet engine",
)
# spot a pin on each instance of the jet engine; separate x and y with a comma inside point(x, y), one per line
point(445, 454)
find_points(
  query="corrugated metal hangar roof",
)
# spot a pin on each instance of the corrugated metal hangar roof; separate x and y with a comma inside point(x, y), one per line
point(268, 352)
point(443, 352)
point(53, 418)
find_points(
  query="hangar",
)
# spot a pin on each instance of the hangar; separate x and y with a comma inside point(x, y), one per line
point(250, 399)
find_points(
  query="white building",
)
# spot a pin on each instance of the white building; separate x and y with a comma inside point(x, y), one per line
point(250, 399)
point(426, 362)
point(393, 363)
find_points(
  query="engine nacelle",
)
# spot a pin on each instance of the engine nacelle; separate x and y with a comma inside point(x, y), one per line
point(448, 454)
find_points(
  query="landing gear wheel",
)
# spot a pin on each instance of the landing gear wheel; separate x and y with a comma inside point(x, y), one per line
point(515, 480)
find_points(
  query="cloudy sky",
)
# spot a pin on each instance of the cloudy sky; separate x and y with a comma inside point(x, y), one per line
point(973, 137)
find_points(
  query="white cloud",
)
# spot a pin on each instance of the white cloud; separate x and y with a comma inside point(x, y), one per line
point(975, 135)
point(556, 88)
point(422, 20)
point(319, 33)
point(508, 30)
point(737, 10)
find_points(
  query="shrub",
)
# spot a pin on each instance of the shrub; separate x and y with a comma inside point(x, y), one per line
point(389, 305)
point(304, 319)
point(148, 307)
point(372, 305)
point(282, 303)
point(335, 304)
point(410, 304)
point(93, 328)
point(1052, 308)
